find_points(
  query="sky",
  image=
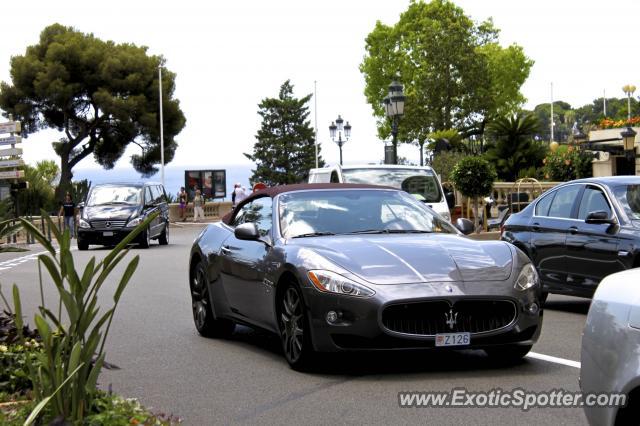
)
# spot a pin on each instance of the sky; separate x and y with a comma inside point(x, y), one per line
point(228, 56)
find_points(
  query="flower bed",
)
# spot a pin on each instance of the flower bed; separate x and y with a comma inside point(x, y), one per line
point(608, 123)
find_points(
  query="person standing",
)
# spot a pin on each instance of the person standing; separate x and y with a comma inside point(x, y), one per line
point(241, 194)
point(233, 194)
point(182, 199)
point(198, 206)
point(68, 209)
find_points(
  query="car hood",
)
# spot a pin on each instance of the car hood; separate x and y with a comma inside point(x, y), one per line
point(404, 259)
point(109, 211)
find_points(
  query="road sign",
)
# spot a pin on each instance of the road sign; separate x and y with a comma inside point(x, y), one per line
point(10, 140)
point(13, 174)
point(11, 163)
point(10, 151)
point(10, 127)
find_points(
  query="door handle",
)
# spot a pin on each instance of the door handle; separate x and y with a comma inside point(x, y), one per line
point(535, 227)
point(573, 229)
point(225, 249)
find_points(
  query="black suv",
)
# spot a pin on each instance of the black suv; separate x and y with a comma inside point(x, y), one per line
point(112, 210)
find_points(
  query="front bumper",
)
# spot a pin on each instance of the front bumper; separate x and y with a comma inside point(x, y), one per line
point(102, 237)
point(361, 327)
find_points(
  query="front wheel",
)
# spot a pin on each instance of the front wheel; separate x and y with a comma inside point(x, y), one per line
point(82, 245)
point(163, 239)
point(145, 238)
point(508, 354)
point(294, 329)
point(203, 318)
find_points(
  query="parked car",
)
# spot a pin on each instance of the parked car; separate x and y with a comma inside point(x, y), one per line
point(421, 182)
point(344, 267)
point(610, 346)
point(579, 232)
point(112, 210)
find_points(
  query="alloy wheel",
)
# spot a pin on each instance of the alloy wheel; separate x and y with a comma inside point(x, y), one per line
point(199, 299)
point(292, 324)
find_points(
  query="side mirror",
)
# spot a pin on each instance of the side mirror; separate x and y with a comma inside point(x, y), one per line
point(451, 199)
point(81, 206)
point(599, 217)
point(464, 225)
point(247, 231)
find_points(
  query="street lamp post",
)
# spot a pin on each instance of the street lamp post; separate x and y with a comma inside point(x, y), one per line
point(628, 89)
point(394, 108)
point(629, 142)
point(336, 131)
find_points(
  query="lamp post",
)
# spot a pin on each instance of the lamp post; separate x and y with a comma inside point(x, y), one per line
point(628, 89)
point(629, 140)
point(336, 131)
point(394, 108)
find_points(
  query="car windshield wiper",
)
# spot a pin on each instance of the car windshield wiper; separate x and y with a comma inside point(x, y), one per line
point(390, 231)
point(313, 234)
point(111, 203)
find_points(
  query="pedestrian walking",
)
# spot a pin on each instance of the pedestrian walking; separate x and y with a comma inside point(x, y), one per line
point(233, 194)
point(241, 194)
point(182, 199)
point(198, 206)
point(68, 209)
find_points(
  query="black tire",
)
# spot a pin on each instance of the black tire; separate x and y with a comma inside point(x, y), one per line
point(294, 328)
point(163, 239)
point(82, 245)
point(508, 354)
point(145, 239)
point(206, 324)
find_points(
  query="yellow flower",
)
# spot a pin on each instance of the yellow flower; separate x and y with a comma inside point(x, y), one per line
point(3, 348)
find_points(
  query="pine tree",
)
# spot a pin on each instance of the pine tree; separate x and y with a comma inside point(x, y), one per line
point(285, 148)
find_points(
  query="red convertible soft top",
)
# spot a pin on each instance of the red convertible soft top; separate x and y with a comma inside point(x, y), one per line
point(279, 189)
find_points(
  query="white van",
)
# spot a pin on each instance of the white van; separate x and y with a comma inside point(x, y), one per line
point(421, 182)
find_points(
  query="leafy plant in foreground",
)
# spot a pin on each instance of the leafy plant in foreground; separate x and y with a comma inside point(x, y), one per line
point(67, 369)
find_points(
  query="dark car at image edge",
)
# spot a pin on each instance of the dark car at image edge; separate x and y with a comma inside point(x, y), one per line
point(111, 211)
point(579, 232)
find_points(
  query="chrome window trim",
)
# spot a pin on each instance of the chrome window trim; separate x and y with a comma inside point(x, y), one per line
point(585, 184)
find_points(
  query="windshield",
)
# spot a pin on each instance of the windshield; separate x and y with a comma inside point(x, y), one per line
point(114, 195)
point(422, 184)
point(315, 213)
point(629, 198)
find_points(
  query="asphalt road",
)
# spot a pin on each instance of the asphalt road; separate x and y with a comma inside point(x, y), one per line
point(169, 367)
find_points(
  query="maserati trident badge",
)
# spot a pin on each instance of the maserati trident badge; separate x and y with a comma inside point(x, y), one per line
point(451, 318)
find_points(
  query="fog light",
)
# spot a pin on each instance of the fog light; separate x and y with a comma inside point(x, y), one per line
point(332, 317)
point(533, 308)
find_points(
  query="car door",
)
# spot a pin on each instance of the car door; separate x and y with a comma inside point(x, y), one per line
point(549, 226)
point(592, 248)
point(245, 263)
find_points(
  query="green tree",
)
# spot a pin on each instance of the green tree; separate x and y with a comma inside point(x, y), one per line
point(102, 95)
point(473, 177)
point(285, 148)
point(42, 180)
point(513, 146)
point(455, 74)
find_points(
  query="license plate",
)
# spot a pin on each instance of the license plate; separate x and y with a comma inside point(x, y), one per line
point(453, 339)
point(108, 234)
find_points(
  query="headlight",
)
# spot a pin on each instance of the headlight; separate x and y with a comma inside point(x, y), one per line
point(83, 224)
point(327, 281)
point(134, 222)
point(528, 278)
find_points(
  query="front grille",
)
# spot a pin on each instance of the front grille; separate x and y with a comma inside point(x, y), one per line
point(430, 318)
point(108, 224)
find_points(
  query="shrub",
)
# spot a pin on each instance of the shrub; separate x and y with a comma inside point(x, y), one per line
point(567, 163)
point(474, 177)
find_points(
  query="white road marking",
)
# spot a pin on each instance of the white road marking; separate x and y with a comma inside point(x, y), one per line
point(11, 263)
point(555, 360)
